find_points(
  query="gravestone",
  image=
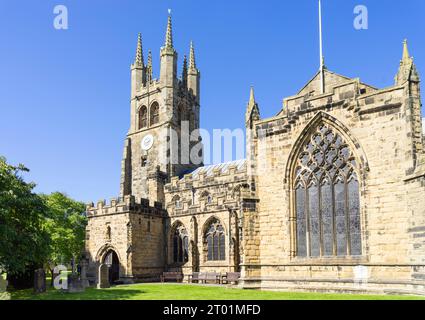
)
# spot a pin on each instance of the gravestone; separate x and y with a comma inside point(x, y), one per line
point(83, 275)
point(39, 281)
point(103, 281)
point(75, 284)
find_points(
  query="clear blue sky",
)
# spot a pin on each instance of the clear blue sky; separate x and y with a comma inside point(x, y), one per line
point(64, 95)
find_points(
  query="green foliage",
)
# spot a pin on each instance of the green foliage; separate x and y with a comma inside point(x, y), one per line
point(24, 242)
point(65, 225)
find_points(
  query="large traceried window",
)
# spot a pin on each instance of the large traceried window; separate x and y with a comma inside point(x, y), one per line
point(215, 241)
point(327, 208)
point(180, 245)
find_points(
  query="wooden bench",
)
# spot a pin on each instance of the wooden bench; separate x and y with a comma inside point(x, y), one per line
point(230, 277)
point(194, 277)
point(210, 276)
point(204, 277)
point(174, 276)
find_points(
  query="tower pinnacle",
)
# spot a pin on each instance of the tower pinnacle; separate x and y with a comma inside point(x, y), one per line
point(169, 34)
point(251, 96)
point(252, 110)
point(184, 71)
point(139, 52)
point(192, 61)
point(149, 67)
point(407, 70)
point(406, 55)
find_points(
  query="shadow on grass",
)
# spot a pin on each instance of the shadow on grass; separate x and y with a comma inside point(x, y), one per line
point(89, 294)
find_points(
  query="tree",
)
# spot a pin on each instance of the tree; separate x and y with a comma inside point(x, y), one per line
point(24, 242)
point(65, 225)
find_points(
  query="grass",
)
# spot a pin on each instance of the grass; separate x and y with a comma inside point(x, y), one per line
point(191, 292)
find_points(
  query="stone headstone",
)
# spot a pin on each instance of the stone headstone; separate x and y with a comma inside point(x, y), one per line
point(83, 275)
point(39, 281)
point(75, 284)
point(103, 280)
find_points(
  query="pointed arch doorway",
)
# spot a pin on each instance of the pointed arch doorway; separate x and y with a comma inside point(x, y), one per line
point(113, 263)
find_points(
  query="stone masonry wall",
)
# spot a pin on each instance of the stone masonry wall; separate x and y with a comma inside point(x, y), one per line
point(134, 231)
point(227, 190)
point(392, 209)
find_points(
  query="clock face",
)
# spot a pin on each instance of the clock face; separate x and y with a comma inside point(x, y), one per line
point(147, 142)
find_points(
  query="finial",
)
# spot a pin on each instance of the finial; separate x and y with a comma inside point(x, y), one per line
point(184, 71)
point(252, 111)
point(139, 52)
point(169, 34)
point(150, 58)
point(149, 67)
point(406, 55)
point(192, 62)
point(251, 95)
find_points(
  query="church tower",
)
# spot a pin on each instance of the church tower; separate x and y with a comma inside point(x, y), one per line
point(164, 122)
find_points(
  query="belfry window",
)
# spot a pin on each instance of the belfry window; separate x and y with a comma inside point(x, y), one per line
point(327, 199)
point(215, 240)
point(143, 117)
point(180, 245)
point(154, 114)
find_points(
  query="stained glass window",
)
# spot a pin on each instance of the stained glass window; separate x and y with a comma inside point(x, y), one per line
point(327, 197)
point(216, 242)
point(180, 245)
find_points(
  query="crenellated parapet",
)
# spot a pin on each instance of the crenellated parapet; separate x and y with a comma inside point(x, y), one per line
point(128, 204)
point(208, 189)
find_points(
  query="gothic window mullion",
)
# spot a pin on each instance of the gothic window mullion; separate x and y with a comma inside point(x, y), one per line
point(314, 228)
point(319, 185)
point(301, 227)
point(307, 223)
point(334, 221)
point(347, 218)
point(327, 215)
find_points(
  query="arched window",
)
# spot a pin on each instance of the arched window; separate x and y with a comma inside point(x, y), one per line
point(180, 245)
point(216, 241)
point(143, 117)
point(327, 208)
point(154, 113)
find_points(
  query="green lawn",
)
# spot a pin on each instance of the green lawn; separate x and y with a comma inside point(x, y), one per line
point(191, 292)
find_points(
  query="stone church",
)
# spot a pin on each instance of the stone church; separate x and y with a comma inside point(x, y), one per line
point(331, 196)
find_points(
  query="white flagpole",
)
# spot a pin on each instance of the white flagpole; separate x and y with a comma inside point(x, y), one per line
point(322, 75)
